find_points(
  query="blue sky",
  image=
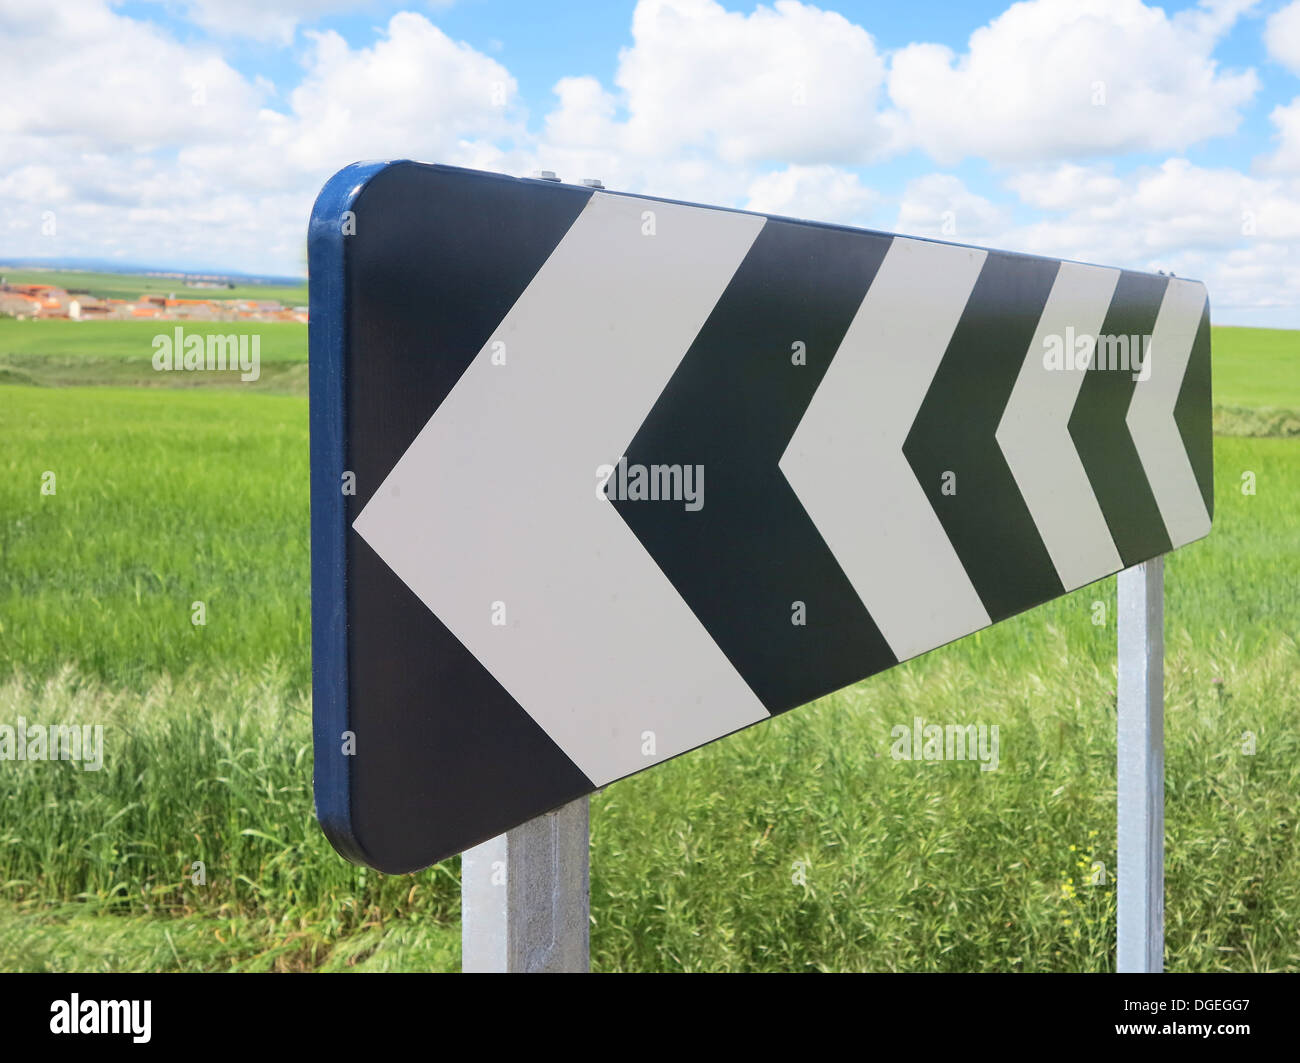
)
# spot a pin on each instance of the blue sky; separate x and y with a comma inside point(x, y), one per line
point(195, 133)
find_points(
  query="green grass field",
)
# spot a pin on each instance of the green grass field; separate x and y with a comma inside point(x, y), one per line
point(797, 845)
point(1256, 367)
point(133, 285)
point(281, 341)
point(91, 353)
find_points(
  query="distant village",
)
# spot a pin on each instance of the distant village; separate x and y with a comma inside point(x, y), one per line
point(38, 301)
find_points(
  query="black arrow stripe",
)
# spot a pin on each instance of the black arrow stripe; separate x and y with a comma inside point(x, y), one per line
point(445, 756)
point(436, 276)
point(1192, 412)
point(986, 518)
point(1100, 431)
point(742, 560)
point(439, 257)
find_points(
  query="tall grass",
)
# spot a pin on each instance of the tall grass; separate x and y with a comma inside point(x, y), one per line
point(804, 845)
point(162, 499)
point(202, 809)
point(800, 844)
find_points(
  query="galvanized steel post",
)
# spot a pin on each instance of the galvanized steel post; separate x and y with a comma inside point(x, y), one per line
point(525, 897)
point(1141, 769)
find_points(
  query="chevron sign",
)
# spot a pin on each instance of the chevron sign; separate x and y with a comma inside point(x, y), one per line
point(598, 478)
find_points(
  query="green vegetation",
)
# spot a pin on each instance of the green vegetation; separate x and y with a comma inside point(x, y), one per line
point(61, 353)
point(163, 498)
point(275, 378)
point(1268, 421)
point(133, 285)
point(214, 771)
point(801, 844)
point(1256, 380)
point(281, 341)
point(133, 341)
point(1256, 367)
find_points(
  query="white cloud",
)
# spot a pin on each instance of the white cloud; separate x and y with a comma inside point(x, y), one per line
point(414, 92)
point(583, 136)
point(789, 83)
point(262, 20)
point(940, 205)
point(704, 97)
point(1287, 119)
point(816, 193)
point(584, 118)
point(1236, 232)
point(1056, 79)
point(155, 150)
point(110, 134)
point(1282, 36)
point(1066, 186)
point(1157, 212)
point(78, 75)
point(1258, 278)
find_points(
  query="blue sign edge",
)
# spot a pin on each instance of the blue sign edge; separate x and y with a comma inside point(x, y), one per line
point(327, 341)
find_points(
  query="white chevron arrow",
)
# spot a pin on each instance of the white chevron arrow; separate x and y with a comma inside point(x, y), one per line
point(846, 463)
point(1150, 416)
point(1035, 437)
point(496, 500)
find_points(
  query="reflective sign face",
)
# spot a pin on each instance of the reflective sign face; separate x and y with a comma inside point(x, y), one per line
point(597, 478)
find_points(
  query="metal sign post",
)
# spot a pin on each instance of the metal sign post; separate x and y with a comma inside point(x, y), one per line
point(1141, 769)
point(525, 897)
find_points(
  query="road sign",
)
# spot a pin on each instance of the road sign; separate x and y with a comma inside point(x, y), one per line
point(599, 478)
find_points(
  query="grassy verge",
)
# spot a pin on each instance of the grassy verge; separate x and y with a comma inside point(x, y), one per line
point(801, 844)
point(1261, 422)
point(132, 341)
point(59, 353)
point(1256, 367)
point(199, 818)
point(161, 500)
point(804, 845)
point(61, 371)
point(76, 938)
